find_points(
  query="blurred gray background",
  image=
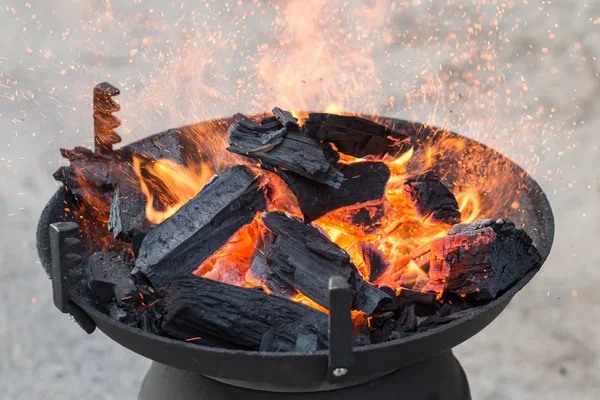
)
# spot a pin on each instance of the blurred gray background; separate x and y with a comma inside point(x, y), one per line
point(523, 76)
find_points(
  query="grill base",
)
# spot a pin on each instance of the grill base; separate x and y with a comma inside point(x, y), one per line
point(440, 377)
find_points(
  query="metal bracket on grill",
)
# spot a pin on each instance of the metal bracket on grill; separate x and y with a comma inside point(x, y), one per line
point(66, 249)
point(341, 354)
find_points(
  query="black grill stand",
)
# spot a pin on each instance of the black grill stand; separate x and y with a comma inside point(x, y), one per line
point(439, 378)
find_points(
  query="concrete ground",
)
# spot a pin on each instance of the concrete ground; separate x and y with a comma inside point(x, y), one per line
point(519, 75)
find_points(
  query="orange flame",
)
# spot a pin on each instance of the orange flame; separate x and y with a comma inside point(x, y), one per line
point(179, 184)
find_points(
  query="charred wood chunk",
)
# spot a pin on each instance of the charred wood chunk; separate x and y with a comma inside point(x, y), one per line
point(109, 275)
point(181, 243)
point(291, 151)
point(433, 200)
point(270, 124)
point(128, 214)
point(354, 136)
point(428, 298)
point(480, 260)
point(286, 119)
point(165, 145)
point(304, 258)
point(382, 326)
point(260, 270)
point(199, 307)
point(407, 322)
point(104, 121)
point(88, 171)
point(364, 181)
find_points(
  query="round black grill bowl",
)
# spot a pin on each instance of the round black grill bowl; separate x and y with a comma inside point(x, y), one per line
point(300, 372)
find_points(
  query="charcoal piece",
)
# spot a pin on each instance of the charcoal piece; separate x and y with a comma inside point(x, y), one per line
point(407, 321)
point(378, 320)
point(270, 124)
point(260, 271)
point(304, 258)
point(266, 341)
point(128, 214)
point(88, 171)
point(427, 298)
point(273, 138)
point(182, 242)
point(109, 275)
point(199, 307)
point(480, 260)
point(433, 199)
point(437, 320)
point(354, 136)
point(293, 151)
point(165, 145)
point(389, 290)
point(364, 181)
point(384, 333)
point(286, 119)
point(306, 343)
point(369, 216)
point(149, 323)
point(449, 309)
point(375, 259)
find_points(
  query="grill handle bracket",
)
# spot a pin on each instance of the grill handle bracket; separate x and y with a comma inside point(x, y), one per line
point(66, 249)
point(341, 353)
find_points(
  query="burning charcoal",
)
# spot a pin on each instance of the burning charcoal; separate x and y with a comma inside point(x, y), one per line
point(354, 136)
point(360, 330)
point(364, 181)
point(375, 259)
point(199, 307)
point(433, 200)
point(128, 214)
point(104, 121)
point(293, 151)
point(286, 119)
point(480, 260)
point(420, 283)
point(109, 275)
point(303, 257)
point(181, 243)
